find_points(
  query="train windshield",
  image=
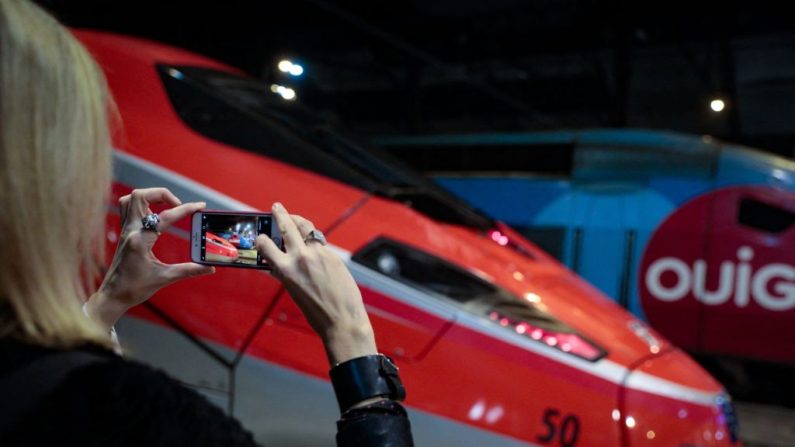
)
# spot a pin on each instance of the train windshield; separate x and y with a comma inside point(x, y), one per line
point(242, 112)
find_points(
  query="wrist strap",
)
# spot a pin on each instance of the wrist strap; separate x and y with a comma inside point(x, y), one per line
point(366, 377)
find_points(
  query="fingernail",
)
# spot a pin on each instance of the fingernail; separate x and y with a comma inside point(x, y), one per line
point(278, 206)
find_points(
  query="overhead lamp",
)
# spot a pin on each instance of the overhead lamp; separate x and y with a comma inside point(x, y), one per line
point(285, 92)
point(287, 66)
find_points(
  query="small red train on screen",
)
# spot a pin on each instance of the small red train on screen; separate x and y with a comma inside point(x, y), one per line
point(498, 344)
point(219, 249)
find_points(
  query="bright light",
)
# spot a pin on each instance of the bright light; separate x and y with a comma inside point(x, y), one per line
point(717, 105)
point(532, 297)
point(175, 73)
point(477, 410)
point(650, 434)
point(285, 65)
point(285, 92)
point(655, 349)
point(630, 422)
point(616, 415)
point(494, 414)
point(388, 263)
point(288, 94)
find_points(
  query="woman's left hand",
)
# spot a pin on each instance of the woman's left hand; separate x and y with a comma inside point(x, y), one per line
point(135, 273)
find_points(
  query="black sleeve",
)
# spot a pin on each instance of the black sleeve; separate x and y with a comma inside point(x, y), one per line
point(120, 403)
point(381, 424)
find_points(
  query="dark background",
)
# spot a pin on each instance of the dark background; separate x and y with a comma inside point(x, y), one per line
point(415, 67)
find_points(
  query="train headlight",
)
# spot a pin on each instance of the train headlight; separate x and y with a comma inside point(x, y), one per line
point(523, 316)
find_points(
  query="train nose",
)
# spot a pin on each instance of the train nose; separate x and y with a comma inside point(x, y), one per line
point(669, 400)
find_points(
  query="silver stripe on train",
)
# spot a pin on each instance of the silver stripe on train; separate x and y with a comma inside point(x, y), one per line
point(278, 405)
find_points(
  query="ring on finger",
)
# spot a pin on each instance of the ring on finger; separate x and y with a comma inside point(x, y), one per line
point(150, 222)
point(315, 236)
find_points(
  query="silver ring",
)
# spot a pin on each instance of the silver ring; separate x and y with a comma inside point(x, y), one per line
point(317, 236)
point(150, 221)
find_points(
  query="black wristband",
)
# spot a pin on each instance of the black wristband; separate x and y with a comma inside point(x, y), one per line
point(366, 377)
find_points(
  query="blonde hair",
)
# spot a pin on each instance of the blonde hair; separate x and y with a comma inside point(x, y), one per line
point(55, 169)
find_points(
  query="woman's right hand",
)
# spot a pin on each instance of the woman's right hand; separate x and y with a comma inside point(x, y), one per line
point(322, 287)
point(135, 272)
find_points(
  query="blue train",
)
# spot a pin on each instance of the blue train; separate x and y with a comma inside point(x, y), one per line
point(694, 234)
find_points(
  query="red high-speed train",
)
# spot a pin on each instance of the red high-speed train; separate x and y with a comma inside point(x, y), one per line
point(498, 344)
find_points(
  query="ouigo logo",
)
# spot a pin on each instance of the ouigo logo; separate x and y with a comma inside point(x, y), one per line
point(705, 253)
point(737, 281)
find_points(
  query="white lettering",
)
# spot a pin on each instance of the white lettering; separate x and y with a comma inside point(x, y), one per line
point(744, 254)
point(724, 291)
point(786, 300)
point(654, 279)
point(738, 281)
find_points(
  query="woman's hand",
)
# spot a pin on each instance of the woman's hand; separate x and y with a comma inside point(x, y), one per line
point(322, 287)
point(135, 273)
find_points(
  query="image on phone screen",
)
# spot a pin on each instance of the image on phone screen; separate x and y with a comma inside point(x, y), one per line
point(231, 239)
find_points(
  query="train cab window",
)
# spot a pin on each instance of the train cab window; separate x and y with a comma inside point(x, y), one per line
point(227, 116)
point(243, 113)
point(764, 217)
point(475, 295)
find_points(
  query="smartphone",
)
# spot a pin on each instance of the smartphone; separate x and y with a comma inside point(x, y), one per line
point(228, 239)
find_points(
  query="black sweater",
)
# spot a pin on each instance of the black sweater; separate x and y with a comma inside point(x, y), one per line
point(124, 403)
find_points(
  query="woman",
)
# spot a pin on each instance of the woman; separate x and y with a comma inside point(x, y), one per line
point(60, 383)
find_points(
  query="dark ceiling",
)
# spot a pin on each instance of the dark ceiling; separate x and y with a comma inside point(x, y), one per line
point(465, 65)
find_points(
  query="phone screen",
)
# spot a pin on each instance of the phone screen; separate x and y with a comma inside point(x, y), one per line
point(231, 238)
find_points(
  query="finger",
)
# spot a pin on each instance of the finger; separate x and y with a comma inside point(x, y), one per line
point(176, 272)
point(124, 205)
point(141, 199)
point(292, 238)
point(305, 226)
point(172, 215)
point(269, 251)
